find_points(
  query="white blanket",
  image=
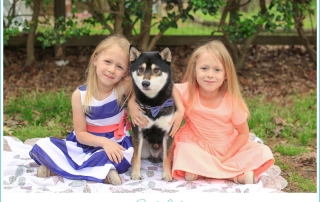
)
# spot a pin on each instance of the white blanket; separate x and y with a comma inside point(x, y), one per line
point(19, 176)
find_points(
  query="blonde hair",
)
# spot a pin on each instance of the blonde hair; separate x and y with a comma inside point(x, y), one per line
point(231, 84)
point(123, 87)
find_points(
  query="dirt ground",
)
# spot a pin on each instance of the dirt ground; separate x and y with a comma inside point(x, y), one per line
point(277, 72)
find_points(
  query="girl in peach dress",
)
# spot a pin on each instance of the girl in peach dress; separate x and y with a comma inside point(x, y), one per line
point(214, 142)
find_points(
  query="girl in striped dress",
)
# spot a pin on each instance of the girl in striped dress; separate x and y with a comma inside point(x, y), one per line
point(100, 145)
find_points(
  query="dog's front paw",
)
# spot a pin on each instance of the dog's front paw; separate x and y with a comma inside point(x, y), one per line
point(167, 177)
point(136, 176)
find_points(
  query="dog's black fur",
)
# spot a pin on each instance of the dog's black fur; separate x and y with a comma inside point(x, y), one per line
point(152, 82)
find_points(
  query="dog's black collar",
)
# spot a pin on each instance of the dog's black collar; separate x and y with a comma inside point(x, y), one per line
point(155, 110)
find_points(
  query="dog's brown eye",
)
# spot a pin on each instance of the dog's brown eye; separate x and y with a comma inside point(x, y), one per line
point(141, 70)
point(156, 70)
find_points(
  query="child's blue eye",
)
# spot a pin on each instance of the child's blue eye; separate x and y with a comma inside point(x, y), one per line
point(107, 61)
point(120, 67)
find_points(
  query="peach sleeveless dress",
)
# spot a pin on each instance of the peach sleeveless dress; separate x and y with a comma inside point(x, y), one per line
point(210, 132)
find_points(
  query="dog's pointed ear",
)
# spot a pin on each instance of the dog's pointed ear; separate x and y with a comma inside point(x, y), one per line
point(166, 54)
point(134, 53)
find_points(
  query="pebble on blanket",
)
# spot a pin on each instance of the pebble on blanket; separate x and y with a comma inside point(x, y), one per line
point(19, 176)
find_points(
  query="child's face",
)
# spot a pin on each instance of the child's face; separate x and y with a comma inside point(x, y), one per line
point(210, 72)
point(111, 65)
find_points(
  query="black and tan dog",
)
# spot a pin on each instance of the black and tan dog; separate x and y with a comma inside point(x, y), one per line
point(152, 82)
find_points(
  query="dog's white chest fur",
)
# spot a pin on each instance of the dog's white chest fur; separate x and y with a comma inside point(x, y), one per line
point(162, 122)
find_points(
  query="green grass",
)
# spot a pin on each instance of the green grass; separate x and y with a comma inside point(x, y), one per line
point(301, 120)
point(283, 166)
point(260, 121)
point(289, 150)
point(36, 109)
point(39, 115)
point(35, 115)
point(304, 184)
point(298, 134)
point(299, 125)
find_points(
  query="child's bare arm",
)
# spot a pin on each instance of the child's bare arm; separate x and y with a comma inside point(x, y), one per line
point(136, 113)
point(240, 141)
point(112, 149)
point(179, 113)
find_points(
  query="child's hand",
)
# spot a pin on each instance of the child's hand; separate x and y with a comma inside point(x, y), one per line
point(114, 151)
point(176, 121)
point(221, 158)
point(136, 114)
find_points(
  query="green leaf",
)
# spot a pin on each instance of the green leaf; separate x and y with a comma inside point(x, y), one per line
point(70, 23)
point(191, 16)
point(40, 38)
point(46, 43)
point(28, 3)
point(184, 18)
point(204, 11)
point(62, 40)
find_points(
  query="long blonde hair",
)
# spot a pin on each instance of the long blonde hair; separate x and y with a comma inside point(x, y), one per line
point(123, 87)
point(231, 84)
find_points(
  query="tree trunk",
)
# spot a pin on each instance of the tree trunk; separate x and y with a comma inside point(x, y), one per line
point(95, 8)
point(298, 19)
point(155, 39)
point(312, 52)
point(224, 14)
point(145, 26)
point(5, 61)
point(239, 52)
point(247, 42)
point(127, 30)
point(32, 33)
point(59, 10)
point(118, 21)
point(241, 56)
point(232, 7)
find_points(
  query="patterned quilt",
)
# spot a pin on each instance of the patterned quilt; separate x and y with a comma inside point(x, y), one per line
point(19, 176)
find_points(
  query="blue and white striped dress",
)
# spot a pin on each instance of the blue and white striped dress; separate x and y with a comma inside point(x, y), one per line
point(73, 160)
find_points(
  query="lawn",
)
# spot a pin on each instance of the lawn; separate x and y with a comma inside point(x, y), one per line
point(34, 115)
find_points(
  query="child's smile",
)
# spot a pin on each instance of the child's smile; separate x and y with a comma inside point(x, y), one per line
point(210, 72)
point(111, 66)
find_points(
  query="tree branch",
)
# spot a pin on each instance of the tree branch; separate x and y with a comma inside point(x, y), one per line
point(240, 5)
